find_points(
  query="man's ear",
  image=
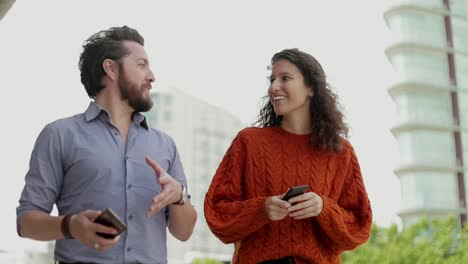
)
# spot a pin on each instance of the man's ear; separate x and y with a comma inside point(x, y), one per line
point(110, 68)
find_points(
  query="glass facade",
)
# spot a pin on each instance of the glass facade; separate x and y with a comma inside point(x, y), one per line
point(425, 129)
point(423, 66)
point(418, 191)
point(426, 147)
point(412, 107)
point(414, 26)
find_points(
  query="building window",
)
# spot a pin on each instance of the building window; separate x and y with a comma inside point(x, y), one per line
point(429, 190)
point(420, 66)
point(167, 116)
point(424, 108)
point(418, 27)
point(461, 67)
point(431, 148)
point(460, 38)
point(168, 99)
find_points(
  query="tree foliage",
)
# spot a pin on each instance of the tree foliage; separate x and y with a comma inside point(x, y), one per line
point(206, 261)
point(428, 241)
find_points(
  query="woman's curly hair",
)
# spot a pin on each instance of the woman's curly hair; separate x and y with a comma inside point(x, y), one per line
point(327, 121)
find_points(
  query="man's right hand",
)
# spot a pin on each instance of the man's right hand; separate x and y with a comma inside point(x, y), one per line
point(84, 229)
point(276, 208)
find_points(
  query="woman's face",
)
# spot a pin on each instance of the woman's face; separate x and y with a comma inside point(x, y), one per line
point(287, 92)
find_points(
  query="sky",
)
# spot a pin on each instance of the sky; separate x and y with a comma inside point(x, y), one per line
point(217, 51)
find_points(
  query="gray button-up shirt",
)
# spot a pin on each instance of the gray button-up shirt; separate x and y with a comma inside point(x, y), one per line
point(81, 163)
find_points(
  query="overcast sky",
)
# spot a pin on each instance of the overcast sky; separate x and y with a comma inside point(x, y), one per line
point(215, 50)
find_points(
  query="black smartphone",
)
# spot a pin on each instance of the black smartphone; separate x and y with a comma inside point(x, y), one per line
point(110, 218)
point(295, 191)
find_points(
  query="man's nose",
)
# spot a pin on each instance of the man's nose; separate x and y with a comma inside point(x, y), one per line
point(151, 77)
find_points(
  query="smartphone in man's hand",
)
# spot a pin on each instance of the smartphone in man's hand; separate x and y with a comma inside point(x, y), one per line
point(110, 218)
point(295, 191)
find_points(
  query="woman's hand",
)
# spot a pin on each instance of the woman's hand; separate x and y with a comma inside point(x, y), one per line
point(305, 205)
point(276, 208)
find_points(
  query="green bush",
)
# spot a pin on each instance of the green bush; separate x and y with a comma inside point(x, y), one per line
point(206, 261)
point(428, 241)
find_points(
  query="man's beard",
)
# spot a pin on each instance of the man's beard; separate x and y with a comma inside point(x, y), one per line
point(134, 95)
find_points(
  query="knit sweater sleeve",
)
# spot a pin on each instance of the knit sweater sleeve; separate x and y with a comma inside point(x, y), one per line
point(346, 222)
point(230, 216)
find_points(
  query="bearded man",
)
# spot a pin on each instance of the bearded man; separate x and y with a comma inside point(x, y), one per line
point(107, 157)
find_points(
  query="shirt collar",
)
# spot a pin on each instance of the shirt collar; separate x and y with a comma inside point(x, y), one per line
point(140, 119)
point(94, 110)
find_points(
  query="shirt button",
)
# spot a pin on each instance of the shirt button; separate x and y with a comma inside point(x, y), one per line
point(129, 186)
point(130, 217)
point(129, 249)
point(126, 157)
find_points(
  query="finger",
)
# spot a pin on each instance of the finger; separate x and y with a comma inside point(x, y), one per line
point(153, 164)
point(155, 207)
point(106, 247)
point(302, 197)
point(163, 198)
point(91, 214)
point(300, 205)
point(103, 242)
point(104, 229)
point(276, 201)
point(164, 179)
point(307, 212)
point(103, 245)
point(305, 216)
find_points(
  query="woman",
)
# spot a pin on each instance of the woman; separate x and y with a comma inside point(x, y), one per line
point(299, 141)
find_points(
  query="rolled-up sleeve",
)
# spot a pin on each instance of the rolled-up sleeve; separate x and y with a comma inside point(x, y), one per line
point(44, 177)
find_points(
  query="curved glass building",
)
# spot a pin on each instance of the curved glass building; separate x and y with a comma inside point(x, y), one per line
point(430, 57)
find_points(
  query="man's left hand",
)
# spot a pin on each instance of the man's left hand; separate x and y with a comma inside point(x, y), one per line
point(171, 189)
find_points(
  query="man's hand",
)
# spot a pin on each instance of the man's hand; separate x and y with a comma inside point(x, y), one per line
point(276, 208)
point(306, 205)
point(84, 229)
point(171, 189)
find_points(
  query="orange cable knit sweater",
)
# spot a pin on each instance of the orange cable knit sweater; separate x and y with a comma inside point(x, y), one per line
point(263, 162)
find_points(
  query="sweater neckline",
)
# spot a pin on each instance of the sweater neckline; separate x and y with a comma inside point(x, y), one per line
point(283, 131)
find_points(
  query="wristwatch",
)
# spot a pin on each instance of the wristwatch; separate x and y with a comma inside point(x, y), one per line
point(184, 196)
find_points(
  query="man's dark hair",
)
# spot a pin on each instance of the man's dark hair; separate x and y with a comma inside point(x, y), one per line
point(106, 44)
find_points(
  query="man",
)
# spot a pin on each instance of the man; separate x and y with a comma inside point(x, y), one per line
point(107, 157)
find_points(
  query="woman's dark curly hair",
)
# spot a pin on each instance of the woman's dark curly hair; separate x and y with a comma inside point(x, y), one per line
point(326, 117)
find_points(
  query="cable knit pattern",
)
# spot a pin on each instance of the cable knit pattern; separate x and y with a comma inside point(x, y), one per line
point(263, 162)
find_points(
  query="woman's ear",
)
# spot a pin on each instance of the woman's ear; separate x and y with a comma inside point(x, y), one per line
point(110, 67)
point(311, 91)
